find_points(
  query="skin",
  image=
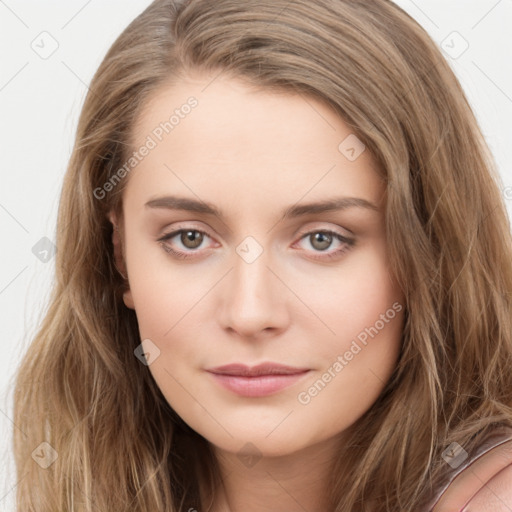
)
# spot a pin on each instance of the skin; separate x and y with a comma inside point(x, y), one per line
point(253, 153)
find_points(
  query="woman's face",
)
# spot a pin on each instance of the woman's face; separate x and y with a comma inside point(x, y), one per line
point(262, 273)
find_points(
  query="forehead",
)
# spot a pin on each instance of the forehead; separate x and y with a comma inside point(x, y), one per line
point(233, 142)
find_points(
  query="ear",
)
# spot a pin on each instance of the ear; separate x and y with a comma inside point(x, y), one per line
point(117, 242)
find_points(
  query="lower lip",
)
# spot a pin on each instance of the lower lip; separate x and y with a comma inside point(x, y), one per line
point(263, 385)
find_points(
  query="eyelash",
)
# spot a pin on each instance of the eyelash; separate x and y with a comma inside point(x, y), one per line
point(349, 243)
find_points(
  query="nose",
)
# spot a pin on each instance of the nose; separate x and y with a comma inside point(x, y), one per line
point(253, 299)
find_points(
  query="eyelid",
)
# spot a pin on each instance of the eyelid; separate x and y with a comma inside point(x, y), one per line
point(314, 229)
point(185, 226)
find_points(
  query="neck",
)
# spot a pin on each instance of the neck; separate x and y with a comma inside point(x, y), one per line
point(293, 482)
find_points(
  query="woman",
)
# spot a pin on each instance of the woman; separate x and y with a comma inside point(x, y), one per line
point(285, 275)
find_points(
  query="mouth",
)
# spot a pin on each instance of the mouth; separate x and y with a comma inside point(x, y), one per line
point(256, 381)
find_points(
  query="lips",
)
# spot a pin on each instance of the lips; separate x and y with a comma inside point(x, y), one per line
point(257, 381)
point(241, 370)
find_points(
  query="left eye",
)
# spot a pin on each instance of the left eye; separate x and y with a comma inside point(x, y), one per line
point(323, 239)
point(191, 240)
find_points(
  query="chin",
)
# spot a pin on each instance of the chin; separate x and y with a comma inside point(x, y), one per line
point(252, 440)
point(256, 447)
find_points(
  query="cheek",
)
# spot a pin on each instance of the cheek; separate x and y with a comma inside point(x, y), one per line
point(356, 369)
point(162, 291)
point(350, 300)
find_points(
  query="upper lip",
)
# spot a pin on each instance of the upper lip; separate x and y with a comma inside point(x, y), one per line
point(243, 370)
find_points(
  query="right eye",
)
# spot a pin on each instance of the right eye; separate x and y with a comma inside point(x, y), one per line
point(190, 238)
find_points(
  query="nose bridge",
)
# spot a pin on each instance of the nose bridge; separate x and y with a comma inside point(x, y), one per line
point(251, 276)
point(251, 299)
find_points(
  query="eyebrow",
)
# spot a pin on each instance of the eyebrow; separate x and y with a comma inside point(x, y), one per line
point(329, 205)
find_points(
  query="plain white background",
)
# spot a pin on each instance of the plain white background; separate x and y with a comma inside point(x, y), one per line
point(40, 100)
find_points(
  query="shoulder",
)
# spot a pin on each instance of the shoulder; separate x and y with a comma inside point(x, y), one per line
point(495, 495)
point(485, 485)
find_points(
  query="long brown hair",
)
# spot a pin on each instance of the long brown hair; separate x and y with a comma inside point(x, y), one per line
point(119, 444)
